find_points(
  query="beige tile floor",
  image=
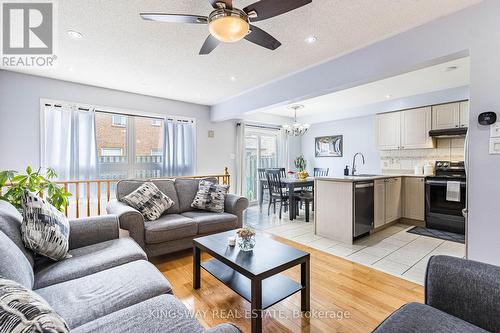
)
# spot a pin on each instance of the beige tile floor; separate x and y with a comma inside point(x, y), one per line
point(392, 250)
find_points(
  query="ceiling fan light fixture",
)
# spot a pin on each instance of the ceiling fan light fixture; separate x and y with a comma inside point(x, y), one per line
point(228, 25)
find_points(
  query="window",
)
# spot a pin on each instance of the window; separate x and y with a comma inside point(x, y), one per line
point(156, 152)
point(119, 121)
point(85, 143)
point(111, 151)
point(156, 122)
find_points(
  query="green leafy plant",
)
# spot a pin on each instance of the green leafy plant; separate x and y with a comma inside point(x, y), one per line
point(300, 163)
point(33, 181)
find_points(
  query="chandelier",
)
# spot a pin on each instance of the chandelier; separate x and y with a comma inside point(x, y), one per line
point(296, 129)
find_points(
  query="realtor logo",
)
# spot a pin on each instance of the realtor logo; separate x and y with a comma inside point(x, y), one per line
point(28, 29)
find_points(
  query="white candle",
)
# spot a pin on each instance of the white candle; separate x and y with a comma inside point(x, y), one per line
point(231, 241)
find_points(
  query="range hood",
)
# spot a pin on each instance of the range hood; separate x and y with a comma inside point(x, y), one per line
point(448, 132)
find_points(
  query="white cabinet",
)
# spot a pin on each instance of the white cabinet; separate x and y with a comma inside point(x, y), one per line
point(445, 116)
point(414, 198)
point(415, 127)
point(392, 199)
point(388, 130)
point(407, 129)
point(451, 115)
point(464, 114)
point(379, 202)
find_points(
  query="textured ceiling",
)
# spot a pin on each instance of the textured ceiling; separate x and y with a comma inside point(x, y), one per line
point(121, 51)
point(426, 80)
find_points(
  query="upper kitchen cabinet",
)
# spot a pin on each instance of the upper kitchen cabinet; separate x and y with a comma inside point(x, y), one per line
point(451, 115)
point(407, 129)
point(464, 114)
point(415, 127)
point(388, 130)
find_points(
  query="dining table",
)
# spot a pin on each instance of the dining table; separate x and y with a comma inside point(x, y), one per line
point(291, 184)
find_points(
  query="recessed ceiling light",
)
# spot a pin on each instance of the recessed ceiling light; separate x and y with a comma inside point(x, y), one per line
point(75, 34)
point(311, 39)
point(232, 78)
point(388, 96)
point(450, 68)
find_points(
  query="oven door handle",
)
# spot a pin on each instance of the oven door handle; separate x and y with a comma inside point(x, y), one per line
point(441, 182)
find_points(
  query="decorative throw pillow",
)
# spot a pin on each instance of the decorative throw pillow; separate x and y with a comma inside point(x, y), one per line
point(210, 197)
point(45, 229)
point(22, 310)
point(149, 201)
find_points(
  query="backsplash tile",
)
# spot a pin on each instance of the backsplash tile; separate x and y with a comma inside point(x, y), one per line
point(404, 161)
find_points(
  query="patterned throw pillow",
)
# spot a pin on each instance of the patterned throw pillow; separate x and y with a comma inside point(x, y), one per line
point(45, 229)
point(22, 310)
point(149, 201)
point(210, 197)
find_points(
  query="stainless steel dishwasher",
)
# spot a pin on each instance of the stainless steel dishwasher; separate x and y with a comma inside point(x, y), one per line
point(363, 208)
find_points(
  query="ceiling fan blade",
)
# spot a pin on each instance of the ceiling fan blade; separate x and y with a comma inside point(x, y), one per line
point(210, 44)
point(174, 18)
point(269, 8)
point(229, 3)
point(262, 38)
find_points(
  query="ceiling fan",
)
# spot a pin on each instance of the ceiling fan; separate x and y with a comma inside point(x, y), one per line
point(228, 24)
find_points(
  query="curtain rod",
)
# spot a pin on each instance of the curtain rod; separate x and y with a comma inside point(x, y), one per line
point(261, 126)
point(125, 114)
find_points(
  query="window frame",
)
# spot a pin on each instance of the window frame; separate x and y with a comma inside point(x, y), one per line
point(118, 123)
point(165, 117)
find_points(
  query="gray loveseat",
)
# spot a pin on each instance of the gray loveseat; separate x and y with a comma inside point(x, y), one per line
point(107, 286)
point(176, 228)
point(460, 296)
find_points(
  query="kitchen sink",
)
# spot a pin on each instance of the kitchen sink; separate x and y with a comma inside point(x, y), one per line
point(365, 175)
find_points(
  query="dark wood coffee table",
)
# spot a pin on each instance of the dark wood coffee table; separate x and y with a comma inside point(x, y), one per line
point(253, 275)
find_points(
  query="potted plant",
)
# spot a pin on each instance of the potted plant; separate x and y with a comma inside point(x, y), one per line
point(33, 181)
point(300, 164)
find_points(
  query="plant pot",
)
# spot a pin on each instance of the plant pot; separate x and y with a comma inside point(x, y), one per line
point(246, 243)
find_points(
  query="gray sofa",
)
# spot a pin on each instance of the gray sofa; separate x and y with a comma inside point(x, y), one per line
point(460, 296)
point(176, 228)
point(107, 286)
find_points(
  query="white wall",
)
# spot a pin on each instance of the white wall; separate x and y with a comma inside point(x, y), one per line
point(20, 119)
point(358, 137)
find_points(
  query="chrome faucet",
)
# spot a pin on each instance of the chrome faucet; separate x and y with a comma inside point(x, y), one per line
point(354, 162)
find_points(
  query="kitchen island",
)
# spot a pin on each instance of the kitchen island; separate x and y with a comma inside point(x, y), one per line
point(350, 207)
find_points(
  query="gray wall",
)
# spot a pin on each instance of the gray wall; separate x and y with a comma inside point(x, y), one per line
point(358, 135)
point(20, 119)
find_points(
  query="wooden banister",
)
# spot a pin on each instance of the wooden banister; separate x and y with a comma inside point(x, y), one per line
point(91, 207)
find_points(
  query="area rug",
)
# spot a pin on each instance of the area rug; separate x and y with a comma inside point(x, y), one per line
point(446, 235)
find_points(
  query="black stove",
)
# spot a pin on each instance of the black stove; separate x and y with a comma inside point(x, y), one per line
point(448, 169)
point(443, 211)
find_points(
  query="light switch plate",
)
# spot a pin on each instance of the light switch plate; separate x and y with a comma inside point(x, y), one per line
point(495, 146)
point(495, 130)
point(211, 134)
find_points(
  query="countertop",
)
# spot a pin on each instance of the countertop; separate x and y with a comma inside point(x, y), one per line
point(368, 178)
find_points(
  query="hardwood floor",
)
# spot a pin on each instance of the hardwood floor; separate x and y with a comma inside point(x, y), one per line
point(345, 296)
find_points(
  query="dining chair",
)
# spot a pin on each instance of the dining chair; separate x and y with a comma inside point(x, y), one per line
point(277, 194)
point(321, 172)
point(263, 185)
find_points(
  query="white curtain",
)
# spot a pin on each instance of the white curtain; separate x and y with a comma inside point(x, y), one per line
point(283, 158)
point(240, 159)
point(179, 148)
point(69, 142)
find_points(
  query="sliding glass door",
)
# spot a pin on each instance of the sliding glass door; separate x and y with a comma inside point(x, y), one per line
point(261, 151)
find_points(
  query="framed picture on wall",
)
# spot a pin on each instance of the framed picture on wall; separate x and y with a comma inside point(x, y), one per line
point(328, 146)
